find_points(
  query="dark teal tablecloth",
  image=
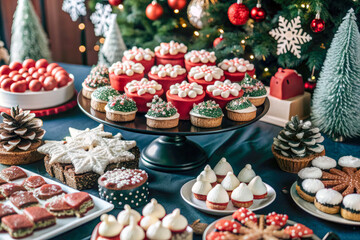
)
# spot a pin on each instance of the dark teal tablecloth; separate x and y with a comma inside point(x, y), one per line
point(251, 144)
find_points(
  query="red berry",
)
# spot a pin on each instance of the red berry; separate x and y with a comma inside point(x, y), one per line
point(62, 81)
point(35, 75)
point(25, 75)
point(35, 85)
point(29, 78)
point(55, 70)
point(42, 78)
point(18, 77)
point(13, 73)
point(4, 69)
point(41, 71)
point(18, 86)
point(49, 83)
point(3, 77)
point(15, 66)
point(29, 63)
point(32, 70)
point(6, 83)
point(41, 63)
point(51, 66)
point(23, 70)
point(61, 72)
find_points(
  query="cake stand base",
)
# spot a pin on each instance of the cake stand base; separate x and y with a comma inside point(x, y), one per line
point(172, 154)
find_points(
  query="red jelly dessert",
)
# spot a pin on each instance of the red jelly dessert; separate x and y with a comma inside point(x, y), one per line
point(18, 226)
point(224, 92)
point(206, 75)
point(235, 69)
point(198, 58)
point(40, 217)
point(22, 199)
point(139, 55)
point(48, 191)
point(142, 92)
point(167, 75)
point(121, 73)
point(9, 188)
point(81, 202)
point(183, 96)
point(172, 53)
point(33, 182)
point(59, 208)
point(13, 173)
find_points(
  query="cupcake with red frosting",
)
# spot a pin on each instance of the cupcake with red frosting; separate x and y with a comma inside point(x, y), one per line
point(172, 53)
point(206, 75)
point(167, 75)
point(236, 68)
point(122, 73)
point(139, 55)
point(183, 96)
point(199, 58)
point(142, 92)
point(224, 92)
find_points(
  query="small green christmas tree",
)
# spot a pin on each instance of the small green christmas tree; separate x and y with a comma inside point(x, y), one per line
point(336, 98)
point(28, 39)
point(114, 46)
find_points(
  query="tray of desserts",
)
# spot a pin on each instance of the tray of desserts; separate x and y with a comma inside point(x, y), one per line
point(34, 207)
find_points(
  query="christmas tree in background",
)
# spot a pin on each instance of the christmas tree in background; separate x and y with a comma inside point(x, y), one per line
point(336, 98)
point(114, 46)
point(28, 39)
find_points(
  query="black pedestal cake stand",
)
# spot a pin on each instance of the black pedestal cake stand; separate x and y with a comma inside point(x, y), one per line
point(172, 151)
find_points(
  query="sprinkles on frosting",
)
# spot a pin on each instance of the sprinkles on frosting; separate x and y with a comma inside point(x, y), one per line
point(236, 65)
point(123, 177)
point(101, 70)
point(224, 89)
point(172, 48)
point(252, 87)
point(168, 70)
point(139, 54)
point(239, 103)
point(104, 93)
point(201, 56)
point(95, 81)
point(143, 86)
point(160, 108)
point(208, 73)
point(208, 109)
point(128, 68)
point(122, 103)
point(185, 89)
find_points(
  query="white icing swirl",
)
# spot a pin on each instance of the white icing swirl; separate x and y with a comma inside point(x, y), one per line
point(109, 227)
point(127, 214)
point(310, 172)
point(242, 193)
point(329, 196)
point(154, 209)
point(224, 89)
point(158, 232)
point(209, 174)
point(236, 65)
point(139, 54)
point(128, 68)
point(171, 48)
point(147, 221)
point(352, 201)
point(201, 186)
point(257, 186)
point(132, 232)
point(175, 221)
point(185, 89)
point(202, 56)
point(349, 161)
point(222, 167)
point(324, 162)
point(168, 70)
point(218, 195)
point(208, 73)
point(246, 174)
point(312, 185)
point(143, 86)
point(230, 182)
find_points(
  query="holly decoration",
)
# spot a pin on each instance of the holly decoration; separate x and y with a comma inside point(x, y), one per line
point(115, 2)
point(154, 11)
point(238, 13)
point(218, 40)
point(317, 25)
point(177, 4)
point(258, 13)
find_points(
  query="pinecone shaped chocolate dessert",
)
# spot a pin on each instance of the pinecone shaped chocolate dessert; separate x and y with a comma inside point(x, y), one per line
point(20, 136)
point(297, 144)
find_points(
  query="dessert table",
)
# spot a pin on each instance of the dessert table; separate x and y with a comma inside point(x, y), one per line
point(251, 144)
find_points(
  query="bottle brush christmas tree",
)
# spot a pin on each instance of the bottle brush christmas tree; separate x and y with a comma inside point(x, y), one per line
point(114, 46)
point(28, 39)
point(336, 98)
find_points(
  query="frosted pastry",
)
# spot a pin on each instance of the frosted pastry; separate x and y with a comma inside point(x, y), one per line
point(217, 198)
point(258, 188)
point(242, 196)
point(201, 187)
point(246, 174)
point(221, 169)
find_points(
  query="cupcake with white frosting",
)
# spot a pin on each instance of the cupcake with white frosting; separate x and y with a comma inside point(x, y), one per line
point(145, 57)
point(328, 200)
point(350, 208)
point(109, 226)
point(236, 68)
point(161, 114)
point(349, 161)
point(258, 188)
point(308, 189)
point(205, 75)
point(167, 75)
point(241, 110)
point(201, 188)
point(230, 182)
point(217, 198)
point(210, 175)
point(127, 214)
point(92, 82)
point(308, 172)
point(246, 174)
point(324, 163)
point(121, 73)
point(254, 90)
point(121, 109)
point(206, 114)
point(196, 58)
point(221, 169)
point(155, 209)
point(158, 232)
point(147, 221)
point(172, 53)
point(224, 92)
point(132, 231)
point(183, 96)
point(142, 92)
point(101, 96)
point(242, 196)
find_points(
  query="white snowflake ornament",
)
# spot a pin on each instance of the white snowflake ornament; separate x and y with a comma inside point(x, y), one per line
point(75, 8)
point(102, 18)
point(290, 36)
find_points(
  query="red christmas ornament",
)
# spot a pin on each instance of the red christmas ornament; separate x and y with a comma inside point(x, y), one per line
point(317, 25)
point(177, 4)
point(310, 86)
point(115, 2)
point(238, 13)
point(154, 10)
point(258, 13)
point(218, 40)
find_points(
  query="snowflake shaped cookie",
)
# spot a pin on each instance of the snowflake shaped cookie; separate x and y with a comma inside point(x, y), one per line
point(290, 36)
point(75, 8)
point(102, 18)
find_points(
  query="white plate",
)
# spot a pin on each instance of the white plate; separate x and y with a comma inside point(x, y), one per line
point(65, 224)
point(188, 197)
point(310, 208)
point(211, 227)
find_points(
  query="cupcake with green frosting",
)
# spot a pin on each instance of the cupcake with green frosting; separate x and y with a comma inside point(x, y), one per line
point(241, 110)
point(101, 70)
point(101, 96)
point(161, 114)
point(121, 109)
point(254, 90)
point(206, 114)
point(92, 82)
